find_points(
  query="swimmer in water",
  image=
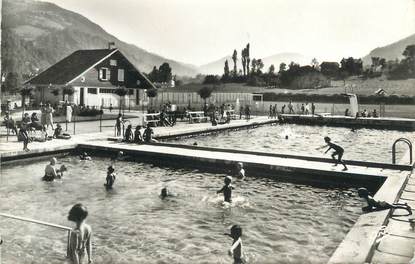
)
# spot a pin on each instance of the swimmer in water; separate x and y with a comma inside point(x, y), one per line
point(236, 249)
point(165, 193)
point(338, 151)
point(51, 173)
point(240, 171)
point(227, 189)
point(111, 176)
point(84, 156)
point(373, 205)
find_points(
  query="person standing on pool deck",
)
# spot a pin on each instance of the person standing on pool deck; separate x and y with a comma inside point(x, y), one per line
point(80, 243)
point(236, 248)
point(227, 189)
point(338, 151)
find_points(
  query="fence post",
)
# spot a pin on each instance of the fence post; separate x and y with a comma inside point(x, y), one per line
point(74, 124)
point(100, 122)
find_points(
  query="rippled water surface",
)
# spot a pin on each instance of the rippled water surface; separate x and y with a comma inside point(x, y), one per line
point(361, 144)
point(282, 222)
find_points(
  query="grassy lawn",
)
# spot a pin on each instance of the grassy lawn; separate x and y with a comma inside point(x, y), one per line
point(360, 87)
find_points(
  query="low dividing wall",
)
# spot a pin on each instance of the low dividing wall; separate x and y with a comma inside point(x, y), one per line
point(344, 121)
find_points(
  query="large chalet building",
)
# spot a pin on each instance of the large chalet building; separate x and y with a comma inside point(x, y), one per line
point(95, 75)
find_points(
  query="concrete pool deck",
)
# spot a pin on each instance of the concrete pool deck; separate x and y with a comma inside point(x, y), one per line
point(360, 245)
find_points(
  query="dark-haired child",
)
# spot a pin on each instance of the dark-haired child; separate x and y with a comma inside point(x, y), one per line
point(373, 205)
point(236, 248)
point(80, 238)
point(110, 177)
point(338, 151)
point(227, 189)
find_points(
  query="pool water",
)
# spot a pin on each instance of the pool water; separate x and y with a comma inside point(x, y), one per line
point(282, 222)
point(362, 144)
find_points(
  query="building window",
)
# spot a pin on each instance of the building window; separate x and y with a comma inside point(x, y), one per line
point(106, 90)
point(92, 90)
point(104, 74)
point(113, 62)
point(120, 75)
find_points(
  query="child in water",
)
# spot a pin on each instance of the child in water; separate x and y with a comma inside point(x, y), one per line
point(338, 151)
point(240, 171)
point(227, 189)
point(110, 177)
point(236, 248)
point(84, 156)
point(373, 205)
point(80, 243)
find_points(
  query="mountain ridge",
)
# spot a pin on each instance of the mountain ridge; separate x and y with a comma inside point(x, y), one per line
point(36, 35)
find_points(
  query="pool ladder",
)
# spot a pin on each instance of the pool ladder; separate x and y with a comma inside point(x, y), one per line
point(408, 142)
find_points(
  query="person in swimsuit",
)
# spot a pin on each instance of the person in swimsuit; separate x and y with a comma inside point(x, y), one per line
point(338, 151)
point(80, 243)
point(240, 171)
point(373, 205)
point(138, 138)
point(85, 156)
point(51, 173)
point(227, 189)
point(236, 248)
point(110, 178)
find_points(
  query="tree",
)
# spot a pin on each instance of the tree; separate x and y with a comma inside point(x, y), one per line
point(211, 79)
point(121, 92)
point(248, 59)
point(330, 69)
point(154, 75)
point(259, 66)
point(243, 59)
point(253, 65)
point(13, 81)
point(69, 90)
point(283, 67)
point(55, 91)
point(226, 70)
point(151, 93)
point(205, 93)
point(25, 92)
point(409, 52)
point(315, 64)
point(271, 69)
point(235, 58)
point(165, 74)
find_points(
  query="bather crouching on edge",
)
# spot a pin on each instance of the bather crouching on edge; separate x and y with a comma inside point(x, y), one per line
point(373, 205)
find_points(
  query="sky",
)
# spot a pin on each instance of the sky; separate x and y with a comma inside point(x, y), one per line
point(202, 31)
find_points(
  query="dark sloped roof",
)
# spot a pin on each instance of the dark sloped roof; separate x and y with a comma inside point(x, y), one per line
point(70, 67)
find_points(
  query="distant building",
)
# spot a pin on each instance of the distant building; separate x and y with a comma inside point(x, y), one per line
point(95, 75)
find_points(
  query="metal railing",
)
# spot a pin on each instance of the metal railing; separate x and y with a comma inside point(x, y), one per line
point(25, 219)
point(408, 142)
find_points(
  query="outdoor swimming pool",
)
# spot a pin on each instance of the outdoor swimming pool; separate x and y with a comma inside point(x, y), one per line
point(362, 144)
point(282, 222)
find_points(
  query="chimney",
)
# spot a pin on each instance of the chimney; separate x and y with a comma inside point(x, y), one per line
point(111, 44)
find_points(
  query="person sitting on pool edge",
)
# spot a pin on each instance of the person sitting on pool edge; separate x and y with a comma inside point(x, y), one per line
point(236, 248)
point(338, 151)
point(111, 176)
point(51, 173)
point(59, 133)
point(80, 243)
point(227, 189)
point(373, 205)
point(148, 135)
